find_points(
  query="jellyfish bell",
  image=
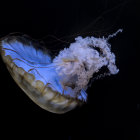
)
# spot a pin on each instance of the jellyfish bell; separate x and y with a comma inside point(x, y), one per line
point(57, 85)
point(31, 67)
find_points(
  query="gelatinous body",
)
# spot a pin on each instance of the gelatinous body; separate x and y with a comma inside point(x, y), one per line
point(57, 85)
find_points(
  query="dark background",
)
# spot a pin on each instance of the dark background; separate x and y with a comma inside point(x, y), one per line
point(113, 106)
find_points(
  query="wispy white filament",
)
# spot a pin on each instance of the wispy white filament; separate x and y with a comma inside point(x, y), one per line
point(83, 58)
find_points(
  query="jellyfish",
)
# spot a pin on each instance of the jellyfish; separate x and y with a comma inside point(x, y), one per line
point(57, 85)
